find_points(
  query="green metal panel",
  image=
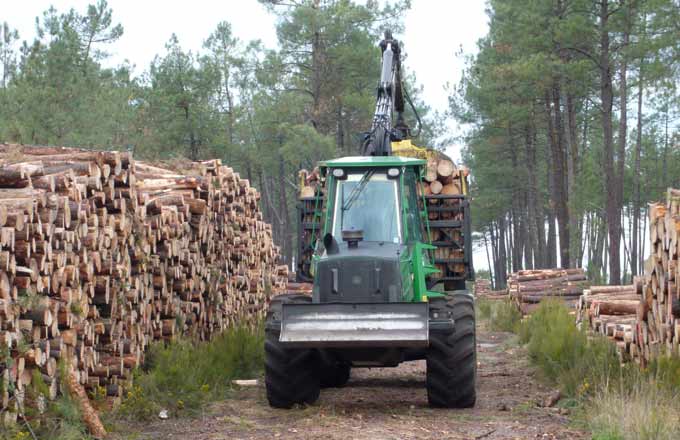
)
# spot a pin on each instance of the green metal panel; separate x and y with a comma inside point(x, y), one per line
point(372, 161)
point(414, 263)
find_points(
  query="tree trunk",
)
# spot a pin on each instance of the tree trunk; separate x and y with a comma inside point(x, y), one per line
point(634, 260)
point(502, 254)
point(286, 236)
point(560, 177)
point(623, 124)
point(488, 261)
point(535, 230)
point(317, 65)
point(611, 179)
point(575, 215)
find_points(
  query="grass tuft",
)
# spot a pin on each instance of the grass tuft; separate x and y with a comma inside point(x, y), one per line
point(182, 376)
point(502, 316)
point(618, 401)
point(641, 413)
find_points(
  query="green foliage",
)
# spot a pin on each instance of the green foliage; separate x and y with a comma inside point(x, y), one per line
point(184, 375)
point(502, 316)
point(531, 100)
point(617, 401)
point(505, 317)
point(60, 419)
point(566, 354)
point(483, 309)
point(640, 411)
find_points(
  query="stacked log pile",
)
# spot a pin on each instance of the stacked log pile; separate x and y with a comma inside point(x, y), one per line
point(442, 182)
point(482, 287)
point(611, 311)
point(483, 290)
point(310, 207)
point(657, 329)
point(528, 288)
point(101, 255)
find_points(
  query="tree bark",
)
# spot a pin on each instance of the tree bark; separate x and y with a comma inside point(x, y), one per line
point(286, 242)
point(575, 215)
point(634, 260)
point(611, 179)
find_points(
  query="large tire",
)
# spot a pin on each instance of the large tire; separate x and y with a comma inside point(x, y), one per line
point(334, 375)
point(291, 374)
point(451, 356)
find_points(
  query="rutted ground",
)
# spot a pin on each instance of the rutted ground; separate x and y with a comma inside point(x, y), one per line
point(389, 403)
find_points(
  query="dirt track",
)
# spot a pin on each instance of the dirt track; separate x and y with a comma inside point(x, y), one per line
point(390, 404)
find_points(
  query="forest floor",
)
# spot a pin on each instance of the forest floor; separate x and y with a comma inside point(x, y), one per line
point(389, 403)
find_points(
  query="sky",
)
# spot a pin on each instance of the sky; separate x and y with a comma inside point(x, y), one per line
point(434, 31)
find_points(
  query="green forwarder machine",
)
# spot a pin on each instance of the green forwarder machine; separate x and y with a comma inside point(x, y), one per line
point(378, 299)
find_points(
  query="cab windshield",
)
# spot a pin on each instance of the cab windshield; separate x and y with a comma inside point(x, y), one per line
point(368, 201)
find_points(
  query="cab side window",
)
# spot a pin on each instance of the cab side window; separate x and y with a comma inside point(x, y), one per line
point(413, 220)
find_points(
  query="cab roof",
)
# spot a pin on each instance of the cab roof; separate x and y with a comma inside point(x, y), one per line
point(371, 161)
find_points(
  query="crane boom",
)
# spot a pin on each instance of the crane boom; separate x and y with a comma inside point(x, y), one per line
point(390, 99)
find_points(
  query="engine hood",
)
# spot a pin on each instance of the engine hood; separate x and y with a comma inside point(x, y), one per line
point(366, 273)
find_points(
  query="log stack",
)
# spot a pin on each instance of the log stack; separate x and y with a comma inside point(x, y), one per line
point(309, 209)
point(444, 185)
point(482, 287)
point(101, 255)
point(657, 329)
point(528, 288)
point(611, 311)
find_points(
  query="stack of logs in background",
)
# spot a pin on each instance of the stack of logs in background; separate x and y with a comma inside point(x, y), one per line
point(101, 255)
point(611, 311)
point(443, 178)
point(657, 329)
point(310, 208)
point(528, 288)
point(483, 290)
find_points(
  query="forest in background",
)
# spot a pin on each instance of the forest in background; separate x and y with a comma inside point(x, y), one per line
point(573, 113)
point(571, 109)
point(266, 112)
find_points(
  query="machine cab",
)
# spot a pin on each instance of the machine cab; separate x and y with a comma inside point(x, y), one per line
point(372, 234)
point(374, 200)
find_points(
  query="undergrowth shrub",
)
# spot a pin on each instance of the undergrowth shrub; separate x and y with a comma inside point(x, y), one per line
point(639, 412)
point(184, 375)
point(619, 401)
point(502, 315)
point(59, 419)
point(566, 354)
point(483, 308)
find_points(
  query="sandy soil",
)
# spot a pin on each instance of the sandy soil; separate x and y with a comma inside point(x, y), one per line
point(389, 403)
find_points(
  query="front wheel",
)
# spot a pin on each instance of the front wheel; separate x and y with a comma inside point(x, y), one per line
point(334, 374)
point(291, 374)
point(451, 357)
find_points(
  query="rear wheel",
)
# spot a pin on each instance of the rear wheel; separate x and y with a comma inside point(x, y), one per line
point(291, 374)
point(451, 358)
point(334, 374)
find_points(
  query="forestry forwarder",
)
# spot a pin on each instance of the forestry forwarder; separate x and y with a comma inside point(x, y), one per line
point(371, 304)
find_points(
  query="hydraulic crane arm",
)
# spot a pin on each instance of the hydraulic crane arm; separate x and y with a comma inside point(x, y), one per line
point(390, 99)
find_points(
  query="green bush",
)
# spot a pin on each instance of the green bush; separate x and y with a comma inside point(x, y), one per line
point(638, 412)
point(619, 401)
point(183, 375)
point(502, 316)
point(60, 420)
point(566, 354)
point(505, 316)
point(483, 309)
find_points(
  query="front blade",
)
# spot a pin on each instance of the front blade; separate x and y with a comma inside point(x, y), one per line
point(355, 325)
